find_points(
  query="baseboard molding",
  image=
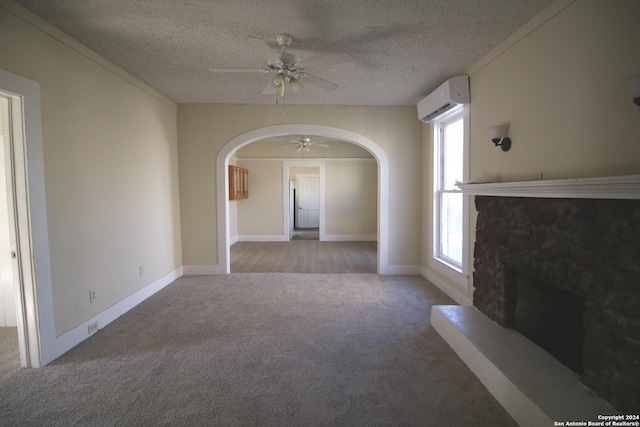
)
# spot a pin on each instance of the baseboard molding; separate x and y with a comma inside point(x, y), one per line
point(262, 238)
point(350, 237)
point(202, 270)
point(403, 270)
point(446, 288)
point(233, 240)
point(70, 339)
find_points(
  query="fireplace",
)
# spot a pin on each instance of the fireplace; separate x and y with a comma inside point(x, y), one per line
point(550, 317)
point(565, 272)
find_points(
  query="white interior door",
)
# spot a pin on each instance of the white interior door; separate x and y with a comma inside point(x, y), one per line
point(7, 283)
point(308, 195)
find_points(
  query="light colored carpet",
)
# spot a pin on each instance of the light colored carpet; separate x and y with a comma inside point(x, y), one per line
point(304, 256)
point(261, 350)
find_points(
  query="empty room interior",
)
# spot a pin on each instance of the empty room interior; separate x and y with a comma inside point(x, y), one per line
point(319, 213)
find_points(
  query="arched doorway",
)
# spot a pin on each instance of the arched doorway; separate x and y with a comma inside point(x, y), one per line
point(222, 163)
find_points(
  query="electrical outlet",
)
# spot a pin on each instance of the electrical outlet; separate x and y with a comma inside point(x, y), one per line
point(92, 295)
point(141, 268)
point(93, 328)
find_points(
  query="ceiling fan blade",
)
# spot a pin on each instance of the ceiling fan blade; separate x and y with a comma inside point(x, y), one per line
point(295, 84)
point(268, 53)
point(322, 145)
point(321, 83)
point(331, 59)
point(268, 90)
point(239, 70)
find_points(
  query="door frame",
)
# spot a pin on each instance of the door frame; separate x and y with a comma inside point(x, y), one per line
point(35, 314)
point(285, 174)
point(313, 176)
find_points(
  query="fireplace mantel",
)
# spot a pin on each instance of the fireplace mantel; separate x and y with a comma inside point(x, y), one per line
point(614, 187)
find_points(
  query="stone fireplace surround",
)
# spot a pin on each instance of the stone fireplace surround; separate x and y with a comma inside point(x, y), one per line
point(582, 236)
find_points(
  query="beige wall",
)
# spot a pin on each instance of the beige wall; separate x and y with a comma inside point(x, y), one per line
point(205, 129)
point(351, 198)
point(297, 171)
point(564, 89)
point(351, 188)
point(561, 82)
point(110, 160)
point(261, 213)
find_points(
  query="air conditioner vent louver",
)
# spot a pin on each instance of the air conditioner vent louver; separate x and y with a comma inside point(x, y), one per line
point(448, 97)
point(448, 106)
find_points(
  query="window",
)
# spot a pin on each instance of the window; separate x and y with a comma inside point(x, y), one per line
point(449, 207)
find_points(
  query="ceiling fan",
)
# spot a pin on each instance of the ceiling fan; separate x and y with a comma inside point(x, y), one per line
point(305, 143)
point(287, 67)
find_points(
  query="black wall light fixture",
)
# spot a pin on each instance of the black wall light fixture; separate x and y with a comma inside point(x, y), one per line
point(498, 134)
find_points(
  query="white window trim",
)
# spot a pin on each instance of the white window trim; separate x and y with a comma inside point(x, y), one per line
point(458, 275)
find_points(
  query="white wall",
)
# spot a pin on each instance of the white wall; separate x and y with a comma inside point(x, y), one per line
point(110, 161)
point(561, 82)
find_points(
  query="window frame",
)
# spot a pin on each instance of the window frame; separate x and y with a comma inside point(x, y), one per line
point(459, 274)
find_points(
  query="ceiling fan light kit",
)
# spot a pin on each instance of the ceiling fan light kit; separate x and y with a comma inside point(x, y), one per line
point(288, 67)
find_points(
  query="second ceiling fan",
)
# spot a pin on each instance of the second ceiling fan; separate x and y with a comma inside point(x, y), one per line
point(287, 68)
point(305, 143)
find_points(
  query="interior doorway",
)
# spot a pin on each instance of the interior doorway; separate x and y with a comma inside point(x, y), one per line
point(8, 312)
point(307, 201)
point(17, 283)
point(306, 206)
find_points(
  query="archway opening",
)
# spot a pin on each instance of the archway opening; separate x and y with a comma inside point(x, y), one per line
point(323, 131)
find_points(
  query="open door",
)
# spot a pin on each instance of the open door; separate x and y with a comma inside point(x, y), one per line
point(17, 262)
point(291, 207)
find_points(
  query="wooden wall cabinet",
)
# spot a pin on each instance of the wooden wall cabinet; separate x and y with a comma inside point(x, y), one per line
point(238, 183)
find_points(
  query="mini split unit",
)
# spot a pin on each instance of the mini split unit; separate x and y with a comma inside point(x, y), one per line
point(449, 97)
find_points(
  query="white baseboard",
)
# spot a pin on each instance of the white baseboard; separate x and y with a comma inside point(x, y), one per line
point(202, 270)
point(403, 270)
point(233, 240)
point(350, 238)
point(446, 288)
point(262, 238)
point(70, 339)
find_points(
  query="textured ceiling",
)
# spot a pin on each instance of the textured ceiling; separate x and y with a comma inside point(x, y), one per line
point(401, 49)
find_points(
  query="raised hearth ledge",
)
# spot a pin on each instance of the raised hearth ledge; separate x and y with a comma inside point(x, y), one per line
point(532, 386)
point(613, 187)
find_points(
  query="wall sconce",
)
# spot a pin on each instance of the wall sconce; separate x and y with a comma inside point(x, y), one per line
point(498, 134)
point(634, 89)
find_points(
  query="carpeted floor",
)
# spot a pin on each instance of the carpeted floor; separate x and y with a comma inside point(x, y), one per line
point(304, 256)
point(261, 350)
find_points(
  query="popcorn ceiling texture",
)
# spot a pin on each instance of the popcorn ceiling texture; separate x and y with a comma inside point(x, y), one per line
point(402, 50)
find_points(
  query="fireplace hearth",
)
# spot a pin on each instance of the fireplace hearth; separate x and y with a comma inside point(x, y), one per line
point(565, 273)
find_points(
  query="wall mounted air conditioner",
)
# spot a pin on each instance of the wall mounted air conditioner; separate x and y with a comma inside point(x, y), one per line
point(449, 97)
